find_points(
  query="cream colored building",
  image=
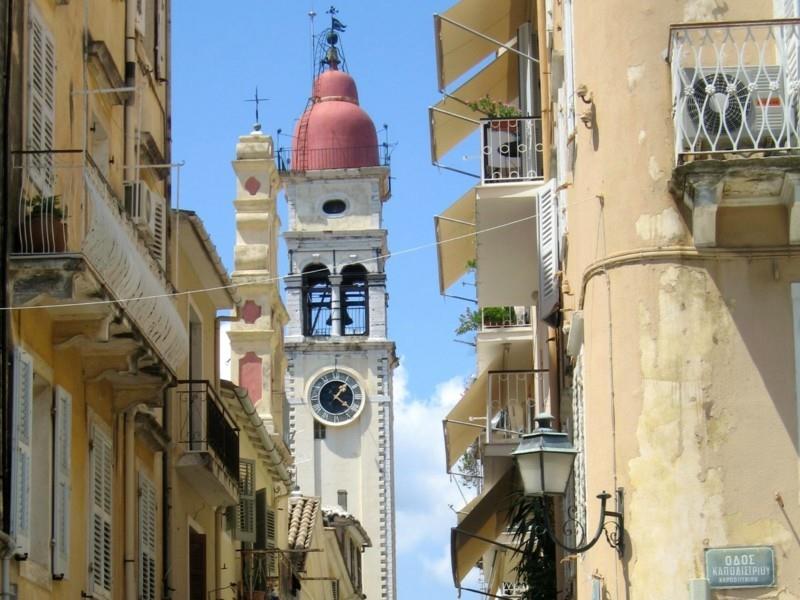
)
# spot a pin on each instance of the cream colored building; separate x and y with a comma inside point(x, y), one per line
point(659, 206)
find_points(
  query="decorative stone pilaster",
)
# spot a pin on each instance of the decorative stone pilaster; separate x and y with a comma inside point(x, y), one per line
point(256, 338)
point(705, 196)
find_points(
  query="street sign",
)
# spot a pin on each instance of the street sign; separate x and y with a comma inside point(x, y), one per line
point(742, 567)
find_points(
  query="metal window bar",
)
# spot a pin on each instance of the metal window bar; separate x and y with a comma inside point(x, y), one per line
point(511, 150)
point(354, 309)
point(318, 316)
point(207, 426)
point(735, 88)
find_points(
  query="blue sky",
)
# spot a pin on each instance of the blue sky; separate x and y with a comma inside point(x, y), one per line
point(221, 52)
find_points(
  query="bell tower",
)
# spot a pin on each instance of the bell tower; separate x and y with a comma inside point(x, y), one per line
point(339, 357)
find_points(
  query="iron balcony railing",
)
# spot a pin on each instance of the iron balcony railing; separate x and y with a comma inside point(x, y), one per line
point(511, 149)
point(266, 574)
point(207, 426)
point(499, 317)
point(312, 159)
point(510, 406)
point(735, 87)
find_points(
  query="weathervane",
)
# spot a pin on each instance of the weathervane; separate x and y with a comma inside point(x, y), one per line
point(332, 58)
point(257, 100)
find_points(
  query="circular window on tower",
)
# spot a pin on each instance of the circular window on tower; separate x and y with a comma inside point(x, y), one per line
point(334, 208)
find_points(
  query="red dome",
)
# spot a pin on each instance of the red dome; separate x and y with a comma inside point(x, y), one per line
point(334, 132)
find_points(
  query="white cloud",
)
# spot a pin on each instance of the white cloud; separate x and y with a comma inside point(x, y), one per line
point(426, 496)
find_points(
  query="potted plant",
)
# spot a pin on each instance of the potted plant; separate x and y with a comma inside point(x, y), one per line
point(494, 109)
point(45, 224)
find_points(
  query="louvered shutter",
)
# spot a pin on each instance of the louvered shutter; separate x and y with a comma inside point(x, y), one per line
point(41, 102)
point(547, 229)
point(22, 428)
point(158, 228)
point(147, 539)
point(272, 540)
point(161, 40)
point(569, 68)
point(246, 526)
point(61, 482)
point(102, 465)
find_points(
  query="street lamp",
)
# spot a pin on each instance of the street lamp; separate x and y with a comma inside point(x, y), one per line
point(544, 459)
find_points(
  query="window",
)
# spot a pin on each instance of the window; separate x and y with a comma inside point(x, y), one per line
point(319, 430)
point(21, 443)
point(316, 300)
point(246, 521)
point(341, 498)
point(266, 532)
point(354, 300)
point(147, 539)
point(101, 485)
point(334, 207)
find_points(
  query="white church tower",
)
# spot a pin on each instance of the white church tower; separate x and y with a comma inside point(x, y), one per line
point(339, 357)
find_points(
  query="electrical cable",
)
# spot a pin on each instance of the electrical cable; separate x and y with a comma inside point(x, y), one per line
point(268, 279)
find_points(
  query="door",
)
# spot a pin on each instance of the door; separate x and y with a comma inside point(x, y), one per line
point(197, 565)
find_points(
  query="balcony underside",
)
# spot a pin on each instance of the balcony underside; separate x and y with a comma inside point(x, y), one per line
point(708, 185)
point(208, 478)
point(86, 317)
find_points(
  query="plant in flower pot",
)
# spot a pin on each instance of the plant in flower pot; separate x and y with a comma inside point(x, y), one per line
point(494, 109)
point(44, 227)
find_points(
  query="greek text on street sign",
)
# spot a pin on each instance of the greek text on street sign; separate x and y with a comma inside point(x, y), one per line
point(740, 567)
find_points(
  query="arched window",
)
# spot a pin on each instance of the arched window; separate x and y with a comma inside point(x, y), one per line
point(316, 301)
point(354, 300)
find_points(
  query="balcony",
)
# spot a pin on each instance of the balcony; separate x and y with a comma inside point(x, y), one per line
point(735, 88)
point(78, 254)
point(735, 102)
point(209, 438)
point(511, 150)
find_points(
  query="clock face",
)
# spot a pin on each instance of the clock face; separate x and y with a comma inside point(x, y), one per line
point(336, 398)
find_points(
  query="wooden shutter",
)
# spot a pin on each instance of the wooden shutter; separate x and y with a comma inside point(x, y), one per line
point(21, 432)
point(147, 539)
point(61, 482)
point(547, 226)
point(158, 228)
point(791, 10)
point(246, 530)
point(41, 102)
point(569, 68)
point(161, 41)
point(102, 465)
point(266, 531)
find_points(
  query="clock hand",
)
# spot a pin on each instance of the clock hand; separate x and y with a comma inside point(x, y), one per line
point(338, 395)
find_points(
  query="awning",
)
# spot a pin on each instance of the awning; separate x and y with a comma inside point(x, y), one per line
point(451, 120)
point(506, 252)
point(484, 517)
point(459, 431)
point(455, 237)
point(459, 50)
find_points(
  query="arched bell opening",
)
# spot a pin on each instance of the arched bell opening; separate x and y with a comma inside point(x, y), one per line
point(317, 296)
point(354, 297)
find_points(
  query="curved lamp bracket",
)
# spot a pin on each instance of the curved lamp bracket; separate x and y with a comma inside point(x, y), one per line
point(612, 524)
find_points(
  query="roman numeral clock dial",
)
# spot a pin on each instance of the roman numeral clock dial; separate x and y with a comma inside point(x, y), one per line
point(336, 398)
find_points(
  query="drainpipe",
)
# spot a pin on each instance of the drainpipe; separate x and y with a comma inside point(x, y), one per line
point(544, 83)
point(166, 467)
point(130, 502)
point(7, 544)
point(217, 547)
point(130, 81)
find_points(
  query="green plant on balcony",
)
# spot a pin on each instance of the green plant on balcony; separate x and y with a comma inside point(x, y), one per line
point(494, 109)
point(473, 320)
point(39, 205)
point(469, 467)
point(537, 553)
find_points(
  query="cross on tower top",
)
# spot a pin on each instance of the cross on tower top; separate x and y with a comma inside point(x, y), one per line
point(257, 100)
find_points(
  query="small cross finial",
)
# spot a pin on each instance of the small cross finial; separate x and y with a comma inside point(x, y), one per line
point(257, 100)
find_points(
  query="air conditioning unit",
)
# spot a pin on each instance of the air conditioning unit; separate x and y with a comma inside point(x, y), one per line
point(733, 107)
point(138, 203)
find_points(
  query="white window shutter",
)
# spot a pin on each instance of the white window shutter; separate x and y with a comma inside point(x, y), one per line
point(158, 228)
point(569, 67)
point(102, 468)
point(22, 429)
point(147, 539)
point(61, 482)
point(547, 230)
point(246, 529)
point(41, 102)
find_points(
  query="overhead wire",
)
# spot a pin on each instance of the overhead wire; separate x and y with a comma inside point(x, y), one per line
point(266, 280)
